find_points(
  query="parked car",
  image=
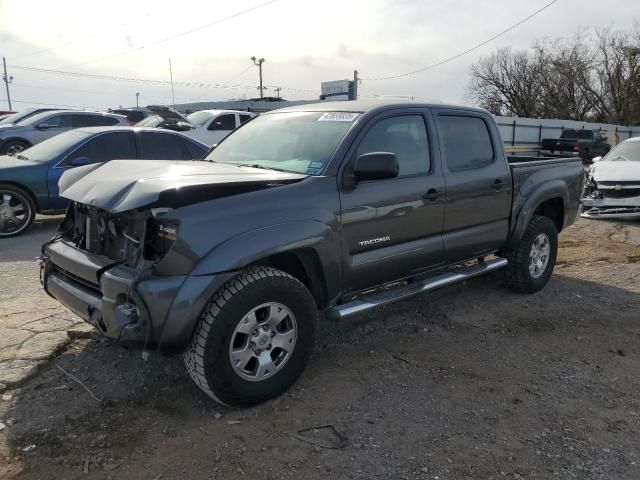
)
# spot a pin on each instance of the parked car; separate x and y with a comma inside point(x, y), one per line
point(20, 116)
point(305, 209)
point(613, 183)
point(29, 179)
point(584, 144)
point(207, 126)
point(37, 128)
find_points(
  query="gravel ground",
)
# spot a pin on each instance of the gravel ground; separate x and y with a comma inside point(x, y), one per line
point(470, 382)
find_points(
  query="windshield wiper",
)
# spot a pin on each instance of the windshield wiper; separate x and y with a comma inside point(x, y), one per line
point(21, 157)
point(619, 157)
point(263, 167)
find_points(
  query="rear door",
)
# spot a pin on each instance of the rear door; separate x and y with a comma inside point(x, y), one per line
point(392, 228)
point(478, 184)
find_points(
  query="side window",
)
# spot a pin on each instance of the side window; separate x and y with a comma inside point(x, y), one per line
point(160, 146)
point(92, 121)
point(105, 147)
point(405, 136)
point(195, 151)
point(57, 121)
point(245, 118)
point(226, 121)
point(465, 141)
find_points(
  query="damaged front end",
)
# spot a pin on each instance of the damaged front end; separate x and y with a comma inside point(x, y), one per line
point(610, 199)
point(98, 263)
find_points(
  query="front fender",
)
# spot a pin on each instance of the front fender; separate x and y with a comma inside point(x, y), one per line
point(528, 200)
point(249, 247)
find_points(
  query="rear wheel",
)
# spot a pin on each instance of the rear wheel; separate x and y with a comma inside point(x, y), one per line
point(531, 263)
point(17, 211)
point(13, 147)
point(254, 338)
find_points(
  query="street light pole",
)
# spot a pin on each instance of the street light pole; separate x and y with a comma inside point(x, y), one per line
point(137, 103)
point(7, 80)
point(258, 63)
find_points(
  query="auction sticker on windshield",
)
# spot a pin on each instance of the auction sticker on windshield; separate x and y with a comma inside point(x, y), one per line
point(338, 117)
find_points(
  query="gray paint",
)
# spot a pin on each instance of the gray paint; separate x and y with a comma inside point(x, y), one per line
point(323, 218)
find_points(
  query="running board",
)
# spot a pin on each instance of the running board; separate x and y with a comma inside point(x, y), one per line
point(378, 299)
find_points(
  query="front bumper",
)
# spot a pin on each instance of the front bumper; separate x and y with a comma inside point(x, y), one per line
point(133, 309)
point(628, 208)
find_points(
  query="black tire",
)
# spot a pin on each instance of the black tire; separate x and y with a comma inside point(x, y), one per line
point(208, 357)
point(13, 147)
point(11, 197)
point(517, 274)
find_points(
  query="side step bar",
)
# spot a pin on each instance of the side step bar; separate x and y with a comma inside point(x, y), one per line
point(378, 299)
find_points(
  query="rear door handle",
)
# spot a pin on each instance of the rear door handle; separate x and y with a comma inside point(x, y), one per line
point(498, 184)
point(432, 195)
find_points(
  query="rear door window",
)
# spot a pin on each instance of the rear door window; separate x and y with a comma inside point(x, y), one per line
point(85, 120)
point(465, 142)
point(58, 121)
point(161, 146)
point(245, 118)
point(226, 121)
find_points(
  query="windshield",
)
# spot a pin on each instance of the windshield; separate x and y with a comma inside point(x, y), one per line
point(51, 148)
point(300, 142)
point(625, 151)
point(199, 118)
point(11, 118)
point(152, 121)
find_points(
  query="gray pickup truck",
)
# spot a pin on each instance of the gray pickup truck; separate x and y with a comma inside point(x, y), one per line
point(333, 208)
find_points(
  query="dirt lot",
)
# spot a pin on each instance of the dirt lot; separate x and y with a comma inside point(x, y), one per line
point(469, 382)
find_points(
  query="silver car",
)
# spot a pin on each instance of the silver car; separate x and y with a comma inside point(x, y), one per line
point(16, 137)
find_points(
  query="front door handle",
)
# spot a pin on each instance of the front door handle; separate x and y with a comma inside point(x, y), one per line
point(498, 184)
point(432, 195)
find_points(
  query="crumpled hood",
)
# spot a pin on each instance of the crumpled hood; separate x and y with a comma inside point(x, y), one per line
point(616, 171)
point(121, 185)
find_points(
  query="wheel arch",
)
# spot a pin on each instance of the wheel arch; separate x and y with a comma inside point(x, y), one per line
point(15, 139)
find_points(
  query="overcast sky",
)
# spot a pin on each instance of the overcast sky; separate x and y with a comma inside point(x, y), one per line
point(304, 42)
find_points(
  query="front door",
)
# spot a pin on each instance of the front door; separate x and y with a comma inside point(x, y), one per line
point(216, 129)
point(392, 228)
point(478, 200)
point(52, 126)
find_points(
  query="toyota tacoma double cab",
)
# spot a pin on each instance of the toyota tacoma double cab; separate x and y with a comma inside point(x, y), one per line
point(324, 210)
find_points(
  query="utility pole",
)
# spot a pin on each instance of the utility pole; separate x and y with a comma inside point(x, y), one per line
point(258, 63)
point(7, 80)
point(355, 84)
point(173, 98)
point(137, 103)
point(277, 90)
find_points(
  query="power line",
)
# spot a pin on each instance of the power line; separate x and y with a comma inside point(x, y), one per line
point(173, 37)
point(148, 81)
point(446, 60)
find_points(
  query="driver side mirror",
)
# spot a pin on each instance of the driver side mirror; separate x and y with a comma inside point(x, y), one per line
point(376, 166)
point(79, 162)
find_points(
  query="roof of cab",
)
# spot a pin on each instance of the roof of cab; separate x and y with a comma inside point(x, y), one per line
point(363, 106)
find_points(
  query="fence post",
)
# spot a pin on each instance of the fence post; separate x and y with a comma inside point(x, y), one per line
point(540, 135)
point(513, 135)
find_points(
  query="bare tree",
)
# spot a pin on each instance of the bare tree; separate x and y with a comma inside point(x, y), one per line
point(508, 83)
point(594, 76)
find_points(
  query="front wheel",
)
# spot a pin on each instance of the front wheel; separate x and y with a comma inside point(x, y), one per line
point(532, 261)
point(13, 147)
point(17, 211)
point(254, 337)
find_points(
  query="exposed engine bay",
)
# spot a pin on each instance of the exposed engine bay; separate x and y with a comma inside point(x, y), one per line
point(128, 238)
